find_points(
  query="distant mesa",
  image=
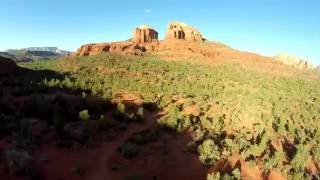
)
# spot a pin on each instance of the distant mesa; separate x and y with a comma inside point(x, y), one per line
point(48, 49)
point(42, 49)
point(179, 30)
point(34, 53)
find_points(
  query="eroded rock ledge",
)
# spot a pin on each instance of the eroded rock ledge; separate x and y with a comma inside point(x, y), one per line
point(181, 41)
point(145, 38)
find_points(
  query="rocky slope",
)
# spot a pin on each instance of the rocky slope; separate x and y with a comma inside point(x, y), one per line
point(183, 42)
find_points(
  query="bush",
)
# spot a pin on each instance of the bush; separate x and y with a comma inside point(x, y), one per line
point(171, 120)
point(120, 112)
point(214, 176)
point(140, 114)
point(209, 152)
point(85, 117)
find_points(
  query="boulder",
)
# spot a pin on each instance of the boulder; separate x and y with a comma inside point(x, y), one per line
point(145, 34)
point(179, 30)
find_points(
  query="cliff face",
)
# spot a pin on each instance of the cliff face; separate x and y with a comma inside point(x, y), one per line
point(178, 30)
point(125, 47)
point(145, 34)
point(145, 38)
point(181, 41)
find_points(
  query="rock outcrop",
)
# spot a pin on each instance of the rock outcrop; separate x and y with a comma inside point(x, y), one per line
point(125, 47)
point(181, 41)
point(179, 30)
point(293, 61)
point(145, 34)
point(144, 37)
point(7, 66)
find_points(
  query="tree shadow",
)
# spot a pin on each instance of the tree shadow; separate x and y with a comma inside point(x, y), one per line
point(54, 113)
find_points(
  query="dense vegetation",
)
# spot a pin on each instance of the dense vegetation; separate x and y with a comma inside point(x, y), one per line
point(267, 119)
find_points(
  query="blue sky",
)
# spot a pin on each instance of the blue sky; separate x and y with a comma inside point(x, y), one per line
point(267, 27)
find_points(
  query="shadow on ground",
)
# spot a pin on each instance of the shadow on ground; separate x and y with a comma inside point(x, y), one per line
point(54, 133)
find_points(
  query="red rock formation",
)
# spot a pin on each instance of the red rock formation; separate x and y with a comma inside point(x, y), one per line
point(125, 47)
point(146, 40)
point(178, 30)
point(145, 34)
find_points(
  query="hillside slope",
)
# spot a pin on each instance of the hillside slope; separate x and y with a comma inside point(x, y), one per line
point(243, 122)
point(7, 66)
point(34, 53)
point(183, 42)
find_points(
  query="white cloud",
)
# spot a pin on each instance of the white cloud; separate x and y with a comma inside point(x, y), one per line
point(147, 11)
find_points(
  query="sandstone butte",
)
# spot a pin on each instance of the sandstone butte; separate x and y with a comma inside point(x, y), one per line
point(181, 41)
point(178, 30)
point(145, 34)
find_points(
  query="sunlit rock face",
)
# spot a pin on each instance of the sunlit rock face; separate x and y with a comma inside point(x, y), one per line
point(145, 34)
point(179, 30)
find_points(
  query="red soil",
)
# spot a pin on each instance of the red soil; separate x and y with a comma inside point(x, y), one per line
point(166, 158)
